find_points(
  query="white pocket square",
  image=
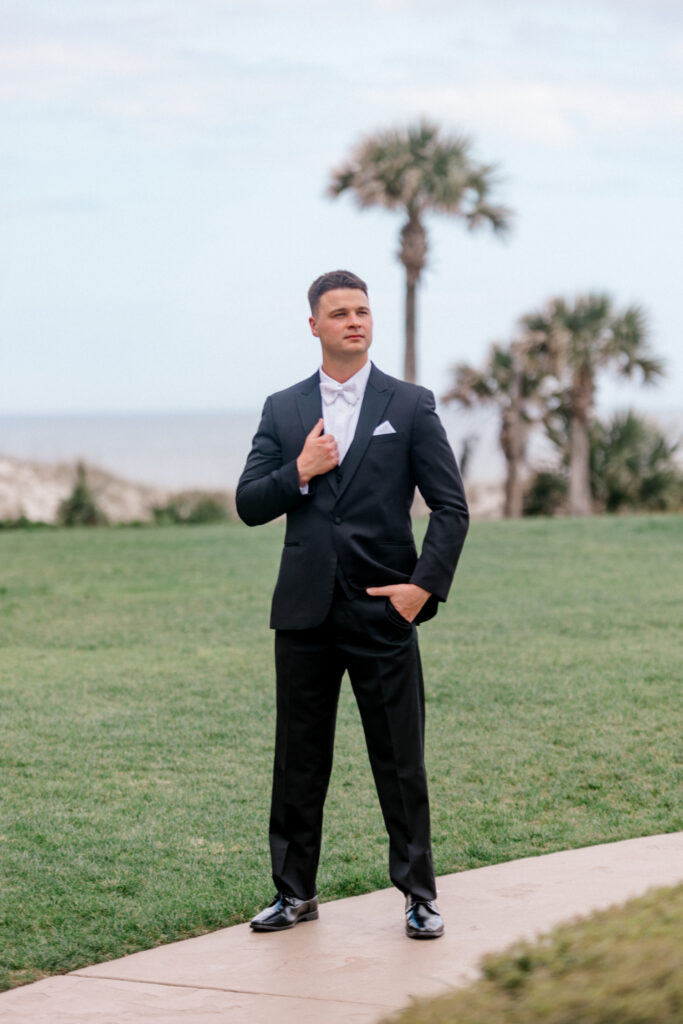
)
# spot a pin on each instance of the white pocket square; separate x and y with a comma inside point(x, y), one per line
point(383, 428)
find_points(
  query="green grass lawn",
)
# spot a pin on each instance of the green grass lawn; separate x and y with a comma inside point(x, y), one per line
point(137, 721)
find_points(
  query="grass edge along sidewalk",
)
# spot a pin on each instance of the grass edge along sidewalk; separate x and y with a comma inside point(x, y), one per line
point(137, 706)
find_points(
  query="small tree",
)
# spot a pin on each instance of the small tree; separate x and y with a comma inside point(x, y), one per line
point(81, 508)
point(513, 379)
point(581, 339)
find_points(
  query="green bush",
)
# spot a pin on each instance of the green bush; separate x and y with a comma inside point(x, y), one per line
point(546, 494)
point(633, 466)
point(193, 507)
point(22, 523)
point(81, 508)
point(620, 966)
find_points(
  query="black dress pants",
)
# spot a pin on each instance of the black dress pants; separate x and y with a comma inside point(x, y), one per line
point(367, 637)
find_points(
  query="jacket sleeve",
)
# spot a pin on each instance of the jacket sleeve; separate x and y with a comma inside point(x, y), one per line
point(438, 479)
point(267, 488)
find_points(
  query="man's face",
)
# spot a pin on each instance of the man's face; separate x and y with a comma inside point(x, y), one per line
point(343, 323)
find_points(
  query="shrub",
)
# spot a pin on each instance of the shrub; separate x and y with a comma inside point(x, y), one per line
point(193, 507)
point(632, 466)
point(22, 523)
point(546, 494)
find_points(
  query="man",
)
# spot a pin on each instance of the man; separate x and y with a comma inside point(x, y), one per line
point(340, 454)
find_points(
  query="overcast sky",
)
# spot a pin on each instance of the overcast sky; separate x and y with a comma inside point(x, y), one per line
point(163, 174)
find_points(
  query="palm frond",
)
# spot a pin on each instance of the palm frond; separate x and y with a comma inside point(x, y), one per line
point(420, 169)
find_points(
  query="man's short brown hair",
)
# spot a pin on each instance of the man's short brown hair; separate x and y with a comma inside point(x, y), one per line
point(328, 282)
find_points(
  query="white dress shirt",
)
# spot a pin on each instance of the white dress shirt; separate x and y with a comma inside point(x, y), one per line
point(339, 412)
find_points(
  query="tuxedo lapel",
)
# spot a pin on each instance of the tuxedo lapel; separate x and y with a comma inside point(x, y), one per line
point(309, 403)
point(375, 400)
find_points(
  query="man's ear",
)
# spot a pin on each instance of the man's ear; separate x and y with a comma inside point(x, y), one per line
point(313, 326)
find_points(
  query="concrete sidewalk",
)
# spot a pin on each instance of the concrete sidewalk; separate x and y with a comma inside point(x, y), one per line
point(355, 964)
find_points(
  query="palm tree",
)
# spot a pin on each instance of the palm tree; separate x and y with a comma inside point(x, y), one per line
point(581, 339)
point(417, 170)
point(512, 379)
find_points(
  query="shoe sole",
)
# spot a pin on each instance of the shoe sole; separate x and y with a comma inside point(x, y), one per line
point(311, 916)
point(423, 935)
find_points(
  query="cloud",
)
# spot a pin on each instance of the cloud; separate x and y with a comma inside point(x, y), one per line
point(46, 206)
point(667, 11)
point(547, 73)
point(171, 94)
point(54, 69)
point(560, 115)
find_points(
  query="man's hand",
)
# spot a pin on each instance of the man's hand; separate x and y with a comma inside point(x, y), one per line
point(318, 455)
point(407, 598)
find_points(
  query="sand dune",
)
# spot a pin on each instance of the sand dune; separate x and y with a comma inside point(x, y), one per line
point(35, 490)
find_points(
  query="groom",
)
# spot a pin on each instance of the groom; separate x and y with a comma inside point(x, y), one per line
point(340, 454)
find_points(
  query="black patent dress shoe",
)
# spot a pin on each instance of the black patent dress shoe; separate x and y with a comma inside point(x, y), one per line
point(284, 912)
point(423, 920)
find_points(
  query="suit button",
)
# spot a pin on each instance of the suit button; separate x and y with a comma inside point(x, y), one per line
point(337, 520)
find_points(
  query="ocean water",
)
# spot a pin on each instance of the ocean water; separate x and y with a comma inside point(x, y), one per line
point(176, 451)
point(184, 450)
point(208, 450)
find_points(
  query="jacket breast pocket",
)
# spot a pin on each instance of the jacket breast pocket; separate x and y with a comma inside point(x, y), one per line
point(386, 438)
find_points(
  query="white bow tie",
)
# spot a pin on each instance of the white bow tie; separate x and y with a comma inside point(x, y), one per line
point(331, 390)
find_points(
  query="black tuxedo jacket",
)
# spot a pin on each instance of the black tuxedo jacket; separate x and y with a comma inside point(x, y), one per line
point(357, 516)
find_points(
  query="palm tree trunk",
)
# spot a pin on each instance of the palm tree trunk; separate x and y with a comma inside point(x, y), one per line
point(412, 255)
point(579, 466)
point(513, 442)
point(409, 368)
point(514, 490)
